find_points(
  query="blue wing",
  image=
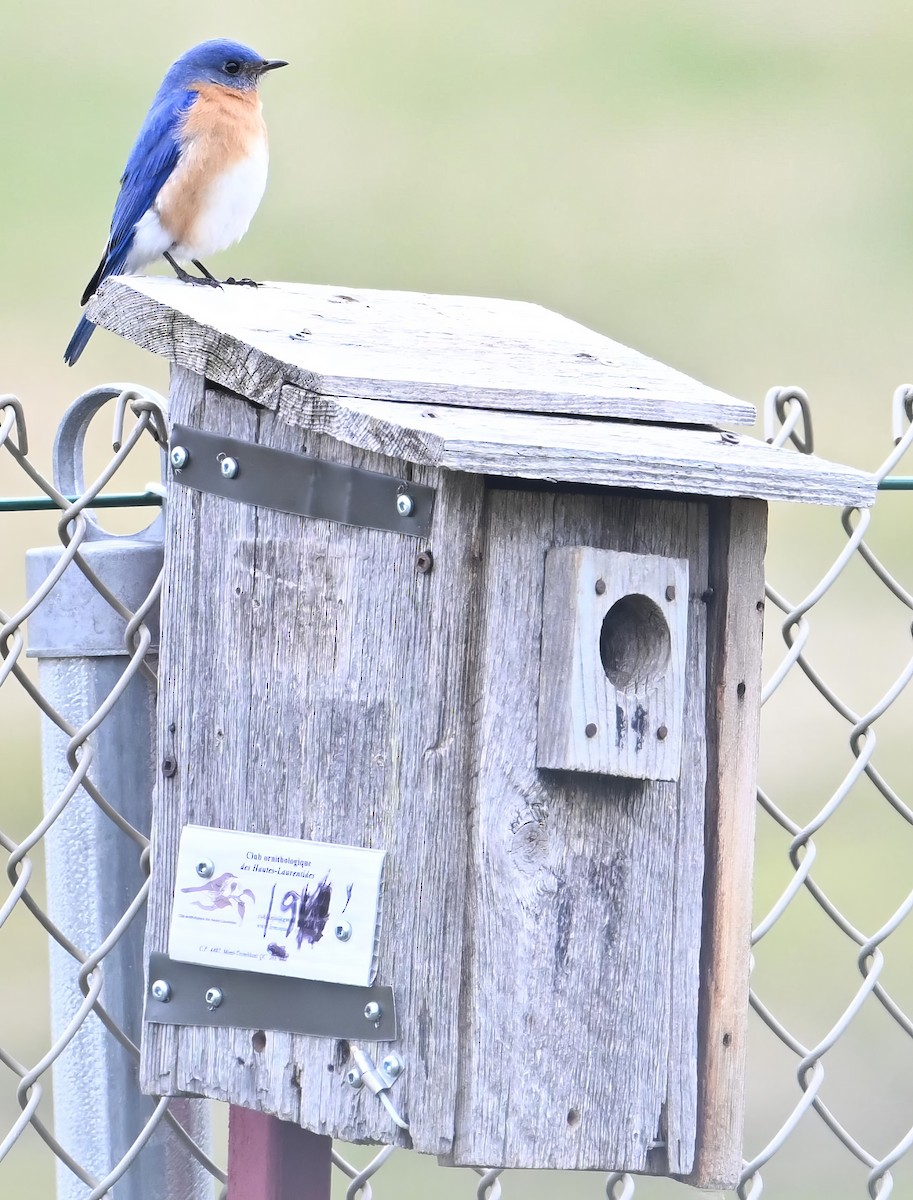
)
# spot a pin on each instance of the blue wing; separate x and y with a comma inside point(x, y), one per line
point(152, 159)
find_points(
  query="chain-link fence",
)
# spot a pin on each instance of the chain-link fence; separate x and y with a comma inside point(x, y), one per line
point(830, 1108)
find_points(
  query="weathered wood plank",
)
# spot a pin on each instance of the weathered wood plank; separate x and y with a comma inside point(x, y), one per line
point(738, 538)
point(580, 994)
point(402, 346)
point(697, 462)
point(612, 680)
point(314, 686)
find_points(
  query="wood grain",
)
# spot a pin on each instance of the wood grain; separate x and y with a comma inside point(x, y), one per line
point(680, 460)
point(580, 991)
point(612, 677)
point(402, 346)
point(541, 929)
point(314, 685)
point(738, 539)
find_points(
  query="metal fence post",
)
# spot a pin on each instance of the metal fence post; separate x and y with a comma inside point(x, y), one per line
point(94, 866)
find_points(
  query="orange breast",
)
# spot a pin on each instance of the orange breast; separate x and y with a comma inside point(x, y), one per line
point(221, 129)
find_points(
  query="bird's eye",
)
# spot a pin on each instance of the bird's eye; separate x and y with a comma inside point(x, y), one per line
point(232, 67)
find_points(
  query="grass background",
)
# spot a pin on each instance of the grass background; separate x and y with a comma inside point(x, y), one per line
point(725, 185)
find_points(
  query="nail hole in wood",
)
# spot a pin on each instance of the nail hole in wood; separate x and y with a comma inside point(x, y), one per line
point(258, 1041)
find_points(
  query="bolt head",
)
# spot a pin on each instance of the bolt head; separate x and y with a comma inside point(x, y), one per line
point(229, 467)
point(354, 1077)
point(405, 505)
point(392, 1065)
point(180, 457)
point(205, 868)
point(373, 1011)
point(161, 990)
point(214, 997)
point(343, 931)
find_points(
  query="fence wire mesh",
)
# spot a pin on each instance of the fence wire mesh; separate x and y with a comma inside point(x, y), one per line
point(830, 1108)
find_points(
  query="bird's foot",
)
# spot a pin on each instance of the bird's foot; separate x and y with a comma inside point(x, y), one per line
point(232, 282)
point(205, 279)
point(199, 280)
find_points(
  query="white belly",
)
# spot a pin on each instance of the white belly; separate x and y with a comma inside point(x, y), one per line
point(228, 207)
point(226, 211)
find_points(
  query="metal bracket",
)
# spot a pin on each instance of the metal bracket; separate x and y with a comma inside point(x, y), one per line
point(378, 1080)
point(297, 483)
point(189, 994)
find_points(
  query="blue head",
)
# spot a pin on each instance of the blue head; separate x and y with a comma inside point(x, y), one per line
point(223, 62)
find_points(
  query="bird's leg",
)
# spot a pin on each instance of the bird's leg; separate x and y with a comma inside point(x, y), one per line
point(208, 276)
point(185, 276)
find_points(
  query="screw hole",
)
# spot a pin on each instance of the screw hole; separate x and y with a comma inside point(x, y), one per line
point(258, 1041)
point(727, 1039)
point(573, 1117)
point(740, 690)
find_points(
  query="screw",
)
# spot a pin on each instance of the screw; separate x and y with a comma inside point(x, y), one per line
point(424, 562)
point(591, 730)
point(229, 467)
point(392, 1066)
point(169, 767)
point(161, 990)
point(205, 868)
point(180, 457)
point(662, 733)
point(354, 1077)
point(373, 1011)
point(405, 505)
point(670, 592)
point(600, 587)
point(343, 931)
point(214, 997)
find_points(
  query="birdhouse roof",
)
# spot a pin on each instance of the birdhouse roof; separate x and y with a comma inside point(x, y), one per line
point(499, 387)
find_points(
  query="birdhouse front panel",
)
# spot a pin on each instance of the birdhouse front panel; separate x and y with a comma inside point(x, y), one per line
point(539, 926)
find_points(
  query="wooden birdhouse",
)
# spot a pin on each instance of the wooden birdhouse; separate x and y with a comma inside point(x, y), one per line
point(458, 719)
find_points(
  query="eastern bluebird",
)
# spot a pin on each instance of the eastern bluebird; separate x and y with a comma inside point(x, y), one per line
point(196, 173)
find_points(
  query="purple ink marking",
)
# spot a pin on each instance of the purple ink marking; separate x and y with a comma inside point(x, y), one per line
point(314, 912)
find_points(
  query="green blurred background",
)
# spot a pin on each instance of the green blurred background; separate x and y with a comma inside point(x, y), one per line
point(724, 184)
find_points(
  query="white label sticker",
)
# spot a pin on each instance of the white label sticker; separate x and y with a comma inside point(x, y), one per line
point(253, 902)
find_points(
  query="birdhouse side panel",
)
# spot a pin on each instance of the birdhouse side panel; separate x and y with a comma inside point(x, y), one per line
point(314, 686)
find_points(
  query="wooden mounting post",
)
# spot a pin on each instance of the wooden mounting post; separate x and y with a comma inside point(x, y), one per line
point(269, 1159)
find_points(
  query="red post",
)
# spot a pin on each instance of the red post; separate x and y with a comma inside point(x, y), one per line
point(269, 1159)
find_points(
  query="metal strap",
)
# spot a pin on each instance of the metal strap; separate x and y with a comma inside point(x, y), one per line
point(183, 993)
point(298, 483)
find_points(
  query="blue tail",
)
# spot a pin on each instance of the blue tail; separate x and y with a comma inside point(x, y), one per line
point(84, 331)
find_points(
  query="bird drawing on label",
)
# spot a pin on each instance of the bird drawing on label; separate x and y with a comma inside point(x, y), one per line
point(196, 173)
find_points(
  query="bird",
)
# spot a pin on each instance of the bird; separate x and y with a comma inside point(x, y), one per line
point(196, 173)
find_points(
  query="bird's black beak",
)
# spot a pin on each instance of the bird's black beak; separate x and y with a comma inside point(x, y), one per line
point(271, 64)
